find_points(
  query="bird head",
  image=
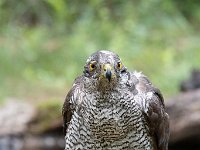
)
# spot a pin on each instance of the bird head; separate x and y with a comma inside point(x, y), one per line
point(103, 69)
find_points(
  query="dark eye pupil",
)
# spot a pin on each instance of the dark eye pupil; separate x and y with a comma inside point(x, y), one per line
point(119, 65)
point(92, 65)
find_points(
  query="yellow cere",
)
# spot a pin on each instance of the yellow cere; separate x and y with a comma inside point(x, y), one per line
point(107, 66)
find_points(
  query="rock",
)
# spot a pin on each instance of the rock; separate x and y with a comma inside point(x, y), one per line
point(14, 117)
point(16, 131)
point(44, 142)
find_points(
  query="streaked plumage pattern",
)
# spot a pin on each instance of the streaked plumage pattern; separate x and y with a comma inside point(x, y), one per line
point(110, 108)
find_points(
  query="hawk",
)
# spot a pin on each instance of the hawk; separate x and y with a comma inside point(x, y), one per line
point(110, 108)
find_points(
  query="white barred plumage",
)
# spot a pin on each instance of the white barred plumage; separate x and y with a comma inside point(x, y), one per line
point(113, 109)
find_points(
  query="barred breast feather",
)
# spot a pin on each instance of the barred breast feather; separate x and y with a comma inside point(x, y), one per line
point(131, 116)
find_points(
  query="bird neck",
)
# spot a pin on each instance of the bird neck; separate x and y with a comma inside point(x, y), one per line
point(102, 86)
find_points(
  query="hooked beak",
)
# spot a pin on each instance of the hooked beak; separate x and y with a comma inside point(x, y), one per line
point(107, 71)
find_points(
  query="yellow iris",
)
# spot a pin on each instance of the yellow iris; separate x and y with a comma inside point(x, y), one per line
point(119, 65)
point(92, 65)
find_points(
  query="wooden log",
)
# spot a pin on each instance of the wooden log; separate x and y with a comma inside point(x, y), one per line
point(184, 112)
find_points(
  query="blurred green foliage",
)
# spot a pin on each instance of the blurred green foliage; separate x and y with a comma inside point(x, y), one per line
point(44, 43)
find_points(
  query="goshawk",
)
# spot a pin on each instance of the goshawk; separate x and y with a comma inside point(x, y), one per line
point(110, 108)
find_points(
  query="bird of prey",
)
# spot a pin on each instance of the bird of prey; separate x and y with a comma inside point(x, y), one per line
point(110, 108)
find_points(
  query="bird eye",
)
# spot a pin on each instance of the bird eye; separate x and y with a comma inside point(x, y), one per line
point(92, 66)
point(119, 65)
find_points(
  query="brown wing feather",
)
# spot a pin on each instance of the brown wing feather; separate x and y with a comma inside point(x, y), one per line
point(157, 118)
point(70, 102)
